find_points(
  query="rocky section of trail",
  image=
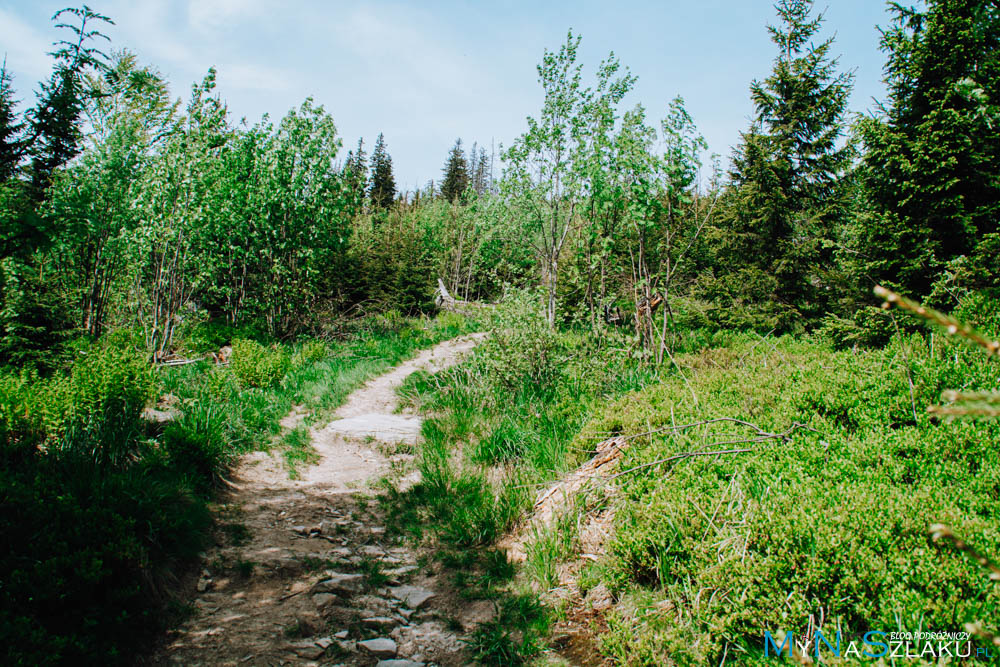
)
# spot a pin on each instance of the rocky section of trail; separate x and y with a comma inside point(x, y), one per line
point(305, 573)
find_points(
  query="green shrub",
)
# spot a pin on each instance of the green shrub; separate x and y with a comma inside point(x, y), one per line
point(197, 447)
point(96, 410)
point(256, 365)
point(982, 311)
point(86, 554)
point(309, 352)
point(522, 351)
point(830, 522)
point(867, 327)
point(196, 337)
point(20, 423)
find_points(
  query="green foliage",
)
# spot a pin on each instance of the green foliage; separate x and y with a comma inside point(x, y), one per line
point(11, 128)
point(786, 196)
point(197, 447)
point(456, 174)
point(982, 311)
point(309, 352)
point(86, 555)
point(95, 410)
point(382, 188)
point(257, 366)
point(55, 121)
point(522, 349)
point(513, 637)
point(929, 170)
point(102, 519)
point(830, 522)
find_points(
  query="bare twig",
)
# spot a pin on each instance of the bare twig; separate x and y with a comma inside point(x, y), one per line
point(682, 427)
point(685, 455)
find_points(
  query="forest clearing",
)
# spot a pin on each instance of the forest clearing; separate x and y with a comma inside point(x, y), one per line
point(591, 397)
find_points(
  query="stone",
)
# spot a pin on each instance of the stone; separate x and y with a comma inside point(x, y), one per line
point(342, 634)
point(378, 621)
point(382, 647)
point(323, 600)
point(430, 636)
point(308, 650)
point(301, 530)
point(309, 622)
point(413, 596)
point(399, 663)
point(345, 584)
point(391, 429)
point(324, 642)
point(599, 598)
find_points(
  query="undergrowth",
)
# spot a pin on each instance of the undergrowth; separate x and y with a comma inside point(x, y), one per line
point(814, 513)
point(101, 510)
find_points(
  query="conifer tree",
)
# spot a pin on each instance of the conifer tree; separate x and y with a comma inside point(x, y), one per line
point(785, 195)
point(479, 169)
point(10, 128)
point(55, 132)
point(930, 170)
point(456, 173)
point(382, 189)
point(356, 174)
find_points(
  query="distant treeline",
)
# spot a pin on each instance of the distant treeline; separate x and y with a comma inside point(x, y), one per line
point(120, 208)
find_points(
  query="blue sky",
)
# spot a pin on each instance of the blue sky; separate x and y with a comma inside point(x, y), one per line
point(425, 73)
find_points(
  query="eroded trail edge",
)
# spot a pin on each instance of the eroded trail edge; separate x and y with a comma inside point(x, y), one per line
point(305, 574)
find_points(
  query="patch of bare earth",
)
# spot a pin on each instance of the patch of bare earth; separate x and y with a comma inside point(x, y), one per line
point(311, 577)
point(585, 495)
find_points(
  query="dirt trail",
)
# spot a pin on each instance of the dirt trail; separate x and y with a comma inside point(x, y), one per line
point(305, 574)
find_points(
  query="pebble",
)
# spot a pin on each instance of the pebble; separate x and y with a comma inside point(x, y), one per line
point(324, 599)
point(413, 596)
point(346, 584)
point(382, 647)
point(308, 651)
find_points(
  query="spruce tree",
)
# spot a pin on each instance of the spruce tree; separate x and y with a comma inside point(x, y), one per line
point(785, 198)
point(10, 128)
point(55, 131)
point(382, 189)
point(456, 173)
point(356, 174)
point(480, 171)
point(930, 170)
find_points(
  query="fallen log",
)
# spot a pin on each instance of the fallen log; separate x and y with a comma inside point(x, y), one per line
point(445, 301)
